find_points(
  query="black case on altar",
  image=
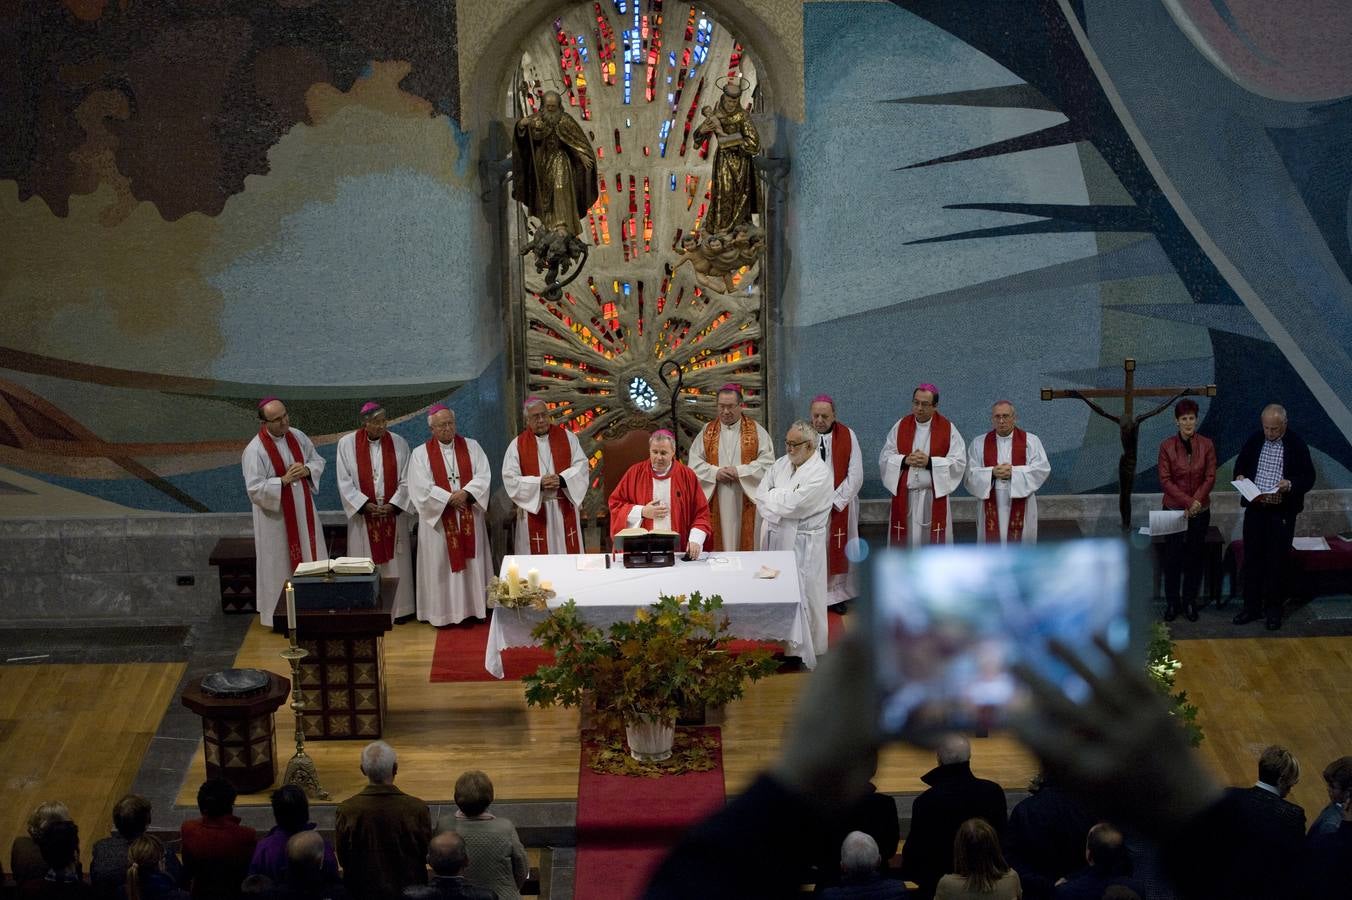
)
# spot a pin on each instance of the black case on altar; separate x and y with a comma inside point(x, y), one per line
point(337, 591)
point(649, 551)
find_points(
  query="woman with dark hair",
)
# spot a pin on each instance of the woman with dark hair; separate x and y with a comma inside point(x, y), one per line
point(146, 878)
point(980, 870)
point(291, 810)
point(1187, 467)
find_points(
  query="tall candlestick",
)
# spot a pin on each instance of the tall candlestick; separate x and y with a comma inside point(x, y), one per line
point(533, 578)
point(290, 607)
point(513, 580)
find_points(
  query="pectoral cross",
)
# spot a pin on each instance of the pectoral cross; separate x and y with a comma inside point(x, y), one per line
point(569, 535)
point(840, 538)
point(1129, 426)
point(899, 533)
point(537, 540)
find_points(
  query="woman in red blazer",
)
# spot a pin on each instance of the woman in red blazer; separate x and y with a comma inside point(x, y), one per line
point(1187, 467)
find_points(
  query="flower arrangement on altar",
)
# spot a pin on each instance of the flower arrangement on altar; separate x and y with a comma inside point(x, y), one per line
point(643, 672)
point(515, 592)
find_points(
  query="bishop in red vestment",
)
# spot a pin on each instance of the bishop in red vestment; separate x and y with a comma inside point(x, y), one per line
point(662, 494)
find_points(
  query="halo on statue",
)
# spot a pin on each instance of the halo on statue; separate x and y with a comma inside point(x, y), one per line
point(733, 87)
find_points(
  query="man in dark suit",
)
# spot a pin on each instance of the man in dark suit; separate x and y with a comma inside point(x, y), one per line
point(381, 834)
point(1044, 842)
point(1278, 462)
point(954, 796)
point(1105, 850)
point(1270, 829)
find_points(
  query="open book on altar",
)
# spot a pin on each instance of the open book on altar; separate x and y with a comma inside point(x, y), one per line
point(647, 549)
point(642, 532)
point(343, 565)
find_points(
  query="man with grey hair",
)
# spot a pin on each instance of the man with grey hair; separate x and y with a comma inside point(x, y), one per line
point(545, 474)
point(860, 877)
point(954, 796)
point(794, 503)
point(1005, 468)
point(1278, 462)
point(381, 834)
point(448, 484)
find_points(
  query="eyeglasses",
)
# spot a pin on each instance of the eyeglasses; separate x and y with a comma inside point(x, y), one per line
point(794, 445)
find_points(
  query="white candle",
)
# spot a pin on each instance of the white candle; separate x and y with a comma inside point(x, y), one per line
point(513, 580)
point(533, 576)
point(290, 607)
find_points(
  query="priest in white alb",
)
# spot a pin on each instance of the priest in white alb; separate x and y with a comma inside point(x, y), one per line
point(921, 463)
point(1005, 468)
point(795, 502)
point(731, 456)
point(661, 494)
point(546, 476)
point(448, 482)
point(281, 474)
point(372, 463)
point(838, 447)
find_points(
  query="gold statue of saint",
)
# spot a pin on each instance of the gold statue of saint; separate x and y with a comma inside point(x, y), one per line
point(733, 199)
point(554, 168)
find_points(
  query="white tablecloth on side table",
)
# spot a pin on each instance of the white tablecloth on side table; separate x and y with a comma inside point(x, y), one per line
point(757, 608)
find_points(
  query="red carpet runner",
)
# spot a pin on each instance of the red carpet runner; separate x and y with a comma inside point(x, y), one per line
point(625, 825)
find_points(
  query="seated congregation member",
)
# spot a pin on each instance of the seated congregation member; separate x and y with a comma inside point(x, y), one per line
point(291, 809)
point(860, 875)
point(794, 504)
point(497, 860)
point(661, 494)
point(1187, 467)
point(216, 847)
point(875, 814)
point(1107, 864)
point(954, 796)
point(448, 482)
point(1278, 462)
point(449, 860)
point(59, 844)
point(306, 875)
point(1338, 781)
point(108, 868)
point(1272, 828)
point(979, 868)
point(25, 858)
point(381, 833)
point(1326, 867)
point(145, 875)
point(1005, 468)
point(1044, 841)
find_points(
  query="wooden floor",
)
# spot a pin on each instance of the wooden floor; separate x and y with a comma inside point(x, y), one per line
point(76, 734)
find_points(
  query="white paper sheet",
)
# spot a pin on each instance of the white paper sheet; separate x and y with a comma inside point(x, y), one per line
point(1247, 489)
point(591, 562)
point(1168, 521)
point(1310, 543)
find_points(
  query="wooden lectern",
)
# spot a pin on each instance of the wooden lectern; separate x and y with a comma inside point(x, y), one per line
point(343, 677)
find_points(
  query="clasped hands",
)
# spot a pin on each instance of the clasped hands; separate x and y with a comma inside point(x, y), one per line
point(379, 509)
point(295, 472)
point(917, 459)
point(549, 482)
point(1004, 471)
point(727, 475)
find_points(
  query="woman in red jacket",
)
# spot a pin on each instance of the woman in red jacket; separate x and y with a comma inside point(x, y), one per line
point(1187, 468)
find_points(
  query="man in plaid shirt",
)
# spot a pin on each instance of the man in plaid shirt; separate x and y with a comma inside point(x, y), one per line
point(1278, 462)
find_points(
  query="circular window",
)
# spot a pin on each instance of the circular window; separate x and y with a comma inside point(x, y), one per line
point(642, 395)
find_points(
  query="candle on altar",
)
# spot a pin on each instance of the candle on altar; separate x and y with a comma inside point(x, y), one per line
point(513, 580)
point(533, 577)
point(290, 607)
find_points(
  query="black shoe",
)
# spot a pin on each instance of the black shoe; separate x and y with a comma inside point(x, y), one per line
point(1190, 612)
point(1244, 617)
point(1170, 612)
point(1274, 623)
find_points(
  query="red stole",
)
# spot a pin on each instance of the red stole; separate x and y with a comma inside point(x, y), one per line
point(457, 524)
point(990, 510)
point(381, 530)
point(941, 433)
point(749, 443)
point(288, 502)
point(561, 453)
point(841, 448)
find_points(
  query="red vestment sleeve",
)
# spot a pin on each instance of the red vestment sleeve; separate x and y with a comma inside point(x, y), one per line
point(690, 508)
point(634, 489)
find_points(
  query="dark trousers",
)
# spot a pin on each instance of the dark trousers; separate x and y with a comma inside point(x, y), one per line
point(1184, 556)
point(1268, 531)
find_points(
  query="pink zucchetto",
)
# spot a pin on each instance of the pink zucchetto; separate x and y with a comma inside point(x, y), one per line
point(824, 398)
point(662, 433)
point(371, 408)
point(928, 387)
point(732, 387)
point(436, 408)
point(265, 401)
point(531, 401)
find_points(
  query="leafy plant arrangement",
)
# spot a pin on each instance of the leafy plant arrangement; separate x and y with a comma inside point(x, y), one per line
point(524, 597)
point(1163, 666)
point(693, 751)
point(672, 654)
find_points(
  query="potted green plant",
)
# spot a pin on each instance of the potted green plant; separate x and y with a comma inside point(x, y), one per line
point(641, 672)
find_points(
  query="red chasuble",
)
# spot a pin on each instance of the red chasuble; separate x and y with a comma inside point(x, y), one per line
point(941, 434)
point(528, 455)
point(689, 508)
point(749, 444)
point(288, 503)
point(990, 511)
point(456, 524)
point(380, 530)
point(841, 448)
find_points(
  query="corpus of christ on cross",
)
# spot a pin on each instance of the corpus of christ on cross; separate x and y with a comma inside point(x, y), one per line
point(1128, 424)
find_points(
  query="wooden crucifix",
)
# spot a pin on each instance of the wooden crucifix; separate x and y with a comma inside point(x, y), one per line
point(1128, 424)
